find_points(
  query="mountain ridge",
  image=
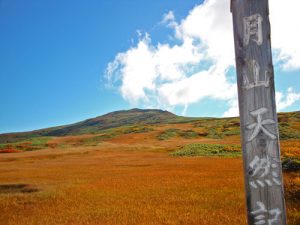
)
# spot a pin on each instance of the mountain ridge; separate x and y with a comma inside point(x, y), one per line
point(100, 123)
point(111, 120)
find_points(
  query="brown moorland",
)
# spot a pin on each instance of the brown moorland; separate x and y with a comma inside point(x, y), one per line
point(124, 184)
point(127, 175)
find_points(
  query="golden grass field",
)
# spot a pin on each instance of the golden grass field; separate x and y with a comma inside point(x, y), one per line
point(130, 179)
point(127, 176)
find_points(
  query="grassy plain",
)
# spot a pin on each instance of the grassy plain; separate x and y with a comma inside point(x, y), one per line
point(136, 175)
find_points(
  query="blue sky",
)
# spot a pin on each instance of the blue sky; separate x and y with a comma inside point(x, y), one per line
point(64, 61)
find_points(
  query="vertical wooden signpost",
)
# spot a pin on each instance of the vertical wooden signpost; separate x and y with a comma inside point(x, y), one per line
point(259, 128)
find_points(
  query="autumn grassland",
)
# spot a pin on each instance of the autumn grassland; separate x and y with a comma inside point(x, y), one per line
point(136, 168)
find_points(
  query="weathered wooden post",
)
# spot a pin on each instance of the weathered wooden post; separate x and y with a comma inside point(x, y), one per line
point(259, 128)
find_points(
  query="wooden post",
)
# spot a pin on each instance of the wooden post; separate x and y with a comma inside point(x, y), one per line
point(259, 128)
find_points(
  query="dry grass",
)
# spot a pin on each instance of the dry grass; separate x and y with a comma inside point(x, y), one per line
point(9, 150)
point(131, 179)
point(124, 183)
point(290, 148)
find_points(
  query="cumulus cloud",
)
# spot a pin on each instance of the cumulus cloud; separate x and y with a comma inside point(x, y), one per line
point(233, 109)
point(145, 68)
point(196, 65)
point(211, 23)
point(285, 22)
point(285, 100)
point(169, 19)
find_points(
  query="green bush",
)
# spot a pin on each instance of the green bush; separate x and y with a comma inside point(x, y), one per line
point(232, 132)
point(188, 134)
point(291, 164)
point(170, 133)
point(208, 150)
point(167, 134)
point(286, 133)
point(215, 134)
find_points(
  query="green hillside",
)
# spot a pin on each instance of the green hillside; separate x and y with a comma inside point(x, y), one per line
point(138, 120)
point(98, 124)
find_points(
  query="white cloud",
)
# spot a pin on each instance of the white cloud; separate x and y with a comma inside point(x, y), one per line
point(285, 23)
point(233, 109)
point(211, 23)
point(192, 89)
point(169, 19)
point(169, 75)
point(283, 101)
point(145, 68)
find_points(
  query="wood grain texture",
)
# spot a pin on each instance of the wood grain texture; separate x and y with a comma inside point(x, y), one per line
point(259, 128)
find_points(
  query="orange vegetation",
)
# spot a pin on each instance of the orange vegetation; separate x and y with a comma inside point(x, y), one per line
point(290, 148)
point(123, 183)
point(9, 150)
point(119, 178)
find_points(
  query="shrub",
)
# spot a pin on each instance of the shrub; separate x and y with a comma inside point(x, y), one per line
point(188, 134)
point(208, 150)
point(290, 164)
point(169, 133)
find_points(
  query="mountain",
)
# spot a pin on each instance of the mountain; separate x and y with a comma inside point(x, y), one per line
point(100, 123)
point(145, 120)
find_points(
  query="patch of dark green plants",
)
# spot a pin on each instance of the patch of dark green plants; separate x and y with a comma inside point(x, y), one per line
point(199, 149)
point(291, 164)
point(170, 133)
point(167, 134)
point(17, 188)
point(286, 132)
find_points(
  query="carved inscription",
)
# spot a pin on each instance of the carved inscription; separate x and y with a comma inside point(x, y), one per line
point(253, 29)
point(263, 172)
point(254, 69)
point(261, 215)
point(265, 198)
point(260, 123)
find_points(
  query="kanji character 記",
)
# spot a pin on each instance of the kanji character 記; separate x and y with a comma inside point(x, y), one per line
point(260, 123)
point(253, 29)
point(261, 212)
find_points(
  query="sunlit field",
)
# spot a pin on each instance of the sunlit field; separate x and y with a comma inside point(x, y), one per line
point(166, 170)
point(115, 186)
point(125, 181)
